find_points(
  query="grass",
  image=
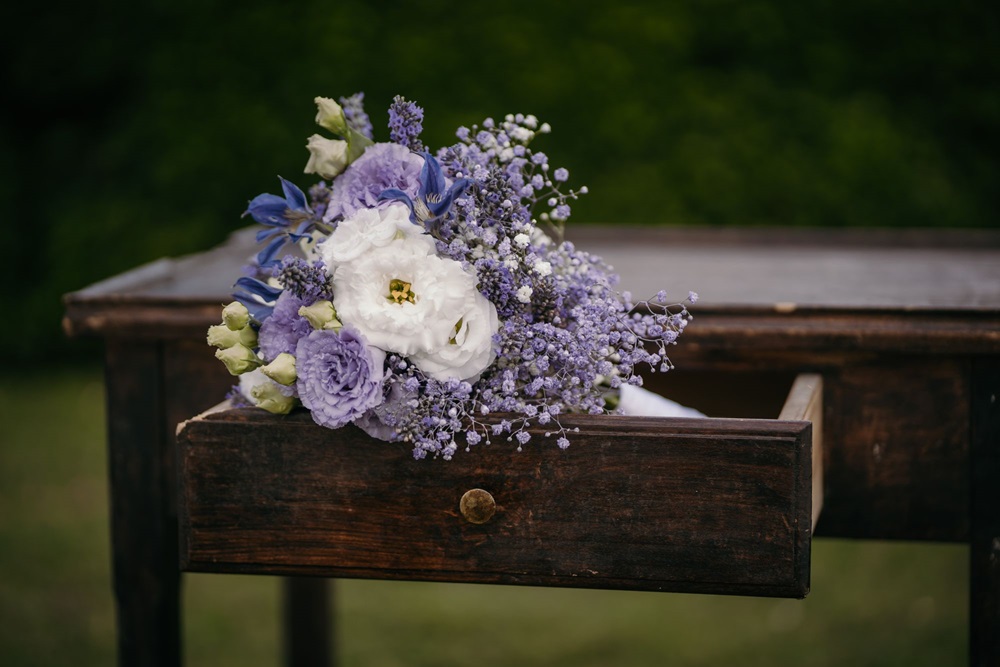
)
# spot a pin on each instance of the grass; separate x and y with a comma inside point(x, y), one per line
point(873, 603)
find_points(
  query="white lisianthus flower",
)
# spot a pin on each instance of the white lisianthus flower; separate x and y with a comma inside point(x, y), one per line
point(371, 228)
point(405, 300)
point(327, 157)
point(470, 349)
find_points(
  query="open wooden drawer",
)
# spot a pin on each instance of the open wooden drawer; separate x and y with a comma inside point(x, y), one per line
point(665, 504)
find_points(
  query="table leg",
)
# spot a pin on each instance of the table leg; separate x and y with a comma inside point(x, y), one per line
point(984, 564)
point(307, 621)
point(143, 527)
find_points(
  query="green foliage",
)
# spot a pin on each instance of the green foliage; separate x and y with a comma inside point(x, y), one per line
point(135, 130)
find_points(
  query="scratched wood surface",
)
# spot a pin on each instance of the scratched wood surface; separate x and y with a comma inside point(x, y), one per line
point(711, 506)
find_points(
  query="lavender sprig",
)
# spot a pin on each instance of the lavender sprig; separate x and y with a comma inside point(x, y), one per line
point(406, 123)
point(354, 112)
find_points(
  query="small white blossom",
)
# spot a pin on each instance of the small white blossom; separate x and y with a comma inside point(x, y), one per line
point(543, 268)
point(512, 263)
point(524, 294)
point(522, 240)
point(521, 134)
point(330, 115)
point(327, 157)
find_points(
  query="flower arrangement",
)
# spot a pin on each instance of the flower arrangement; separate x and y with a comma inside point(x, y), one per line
point(424, 301)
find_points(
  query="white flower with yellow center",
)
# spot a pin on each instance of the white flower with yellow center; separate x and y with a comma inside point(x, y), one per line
point(404, 299)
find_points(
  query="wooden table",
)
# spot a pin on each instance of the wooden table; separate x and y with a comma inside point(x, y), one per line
point(903, 327)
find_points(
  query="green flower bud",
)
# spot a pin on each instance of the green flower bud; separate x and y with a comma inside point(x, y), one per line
point(267, 395)
point(321, 315)
point(236, 316)
point(248, 337)
point(223, 337)
point(327, 157)
point(238, 359)
point(330, 115)
point(282, 369)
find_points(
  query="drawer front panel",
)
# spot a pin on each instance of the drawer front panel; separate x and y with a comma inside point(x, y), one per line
point(714, 505)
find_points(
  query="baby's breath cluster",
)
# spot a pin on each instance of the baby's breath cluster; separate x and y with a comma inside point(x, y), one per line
point(506, 144)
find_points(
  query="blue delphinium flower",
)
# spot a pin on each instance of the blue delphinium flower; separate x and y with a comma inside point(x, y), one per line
point(434, 196)
point(257, 296)
point(288, 217)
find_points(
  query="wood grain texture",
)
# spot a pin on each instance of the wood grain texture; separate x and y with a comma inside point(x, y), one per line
point(761, 289)
point(143, 522)
point(897, 450)
point(805, 403)
point(714, 506)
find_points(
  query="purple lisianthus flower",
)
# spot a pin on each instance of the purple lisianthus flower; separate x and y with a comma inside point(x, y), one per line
point(339, 376)
point(382, 167)
point(282, 330)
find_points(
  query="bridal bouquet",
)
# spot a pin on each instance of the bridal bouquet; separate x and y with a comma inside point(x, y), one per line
point(429, 297)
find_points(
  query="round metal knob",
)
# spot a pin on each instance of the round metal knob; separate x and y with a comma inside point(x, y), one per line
point(477, 506)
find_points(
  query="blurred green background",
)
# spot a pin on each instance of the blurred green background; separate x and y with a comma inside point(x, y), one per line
point(133, 130)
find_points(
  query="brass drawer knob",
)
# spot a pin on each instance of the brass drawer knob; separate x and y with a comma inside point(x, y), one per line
point(477, 506)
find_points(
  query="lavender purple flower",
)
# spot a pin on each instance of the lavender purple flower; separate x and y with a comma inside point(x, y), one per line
point(382, 167)
point(354, 112)
point(340, 376)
